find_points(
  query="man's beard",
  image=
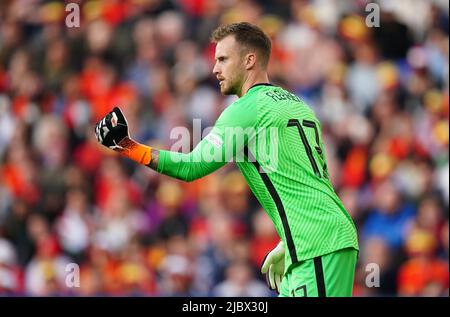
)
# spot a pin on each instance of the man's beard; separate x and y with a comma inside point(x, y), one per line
point(231, 89)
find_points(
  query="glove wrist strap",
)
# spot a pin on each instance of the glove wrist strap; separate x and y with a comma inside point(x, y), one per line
point(135, 151)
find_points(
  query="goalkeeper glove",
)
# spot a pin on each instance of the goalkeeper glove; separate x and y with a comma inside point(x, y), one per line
point(112, 132)
point(273, 267)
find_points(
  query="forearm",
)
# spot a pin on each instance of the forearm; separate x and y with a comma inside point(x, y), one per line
point(186, 167)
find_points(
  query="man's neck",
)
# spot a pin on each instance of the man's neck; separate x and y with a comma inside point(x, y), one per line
point(251, 80)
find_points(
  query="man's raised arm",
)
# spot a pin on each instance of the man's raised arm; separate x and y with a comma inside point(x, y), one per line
point(210, 154)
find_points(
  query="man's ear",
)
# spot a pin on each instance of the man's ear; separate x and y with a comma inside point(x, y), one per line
point(250, 60)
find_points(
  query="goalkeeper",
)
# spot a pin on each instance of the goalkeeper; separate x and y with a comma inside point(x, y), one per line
point(276, 141)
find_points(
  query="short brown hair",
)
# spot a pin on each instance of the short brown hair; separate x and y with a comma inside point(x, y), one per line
point(248, 35)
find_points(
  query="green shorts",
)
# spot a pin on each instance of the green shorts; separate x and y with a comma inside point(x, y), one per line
point(328, 275)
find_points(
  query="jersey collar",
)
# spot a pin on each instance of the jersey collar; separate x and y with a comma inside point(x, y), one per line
point(260, 84)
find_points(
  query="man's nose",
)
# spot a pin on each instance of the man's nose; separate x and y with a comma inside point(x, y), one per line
point(215, 70)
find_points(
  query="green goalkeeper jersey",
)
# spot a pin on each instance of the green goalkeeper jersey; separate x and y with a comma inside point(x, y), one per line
point(276, 141)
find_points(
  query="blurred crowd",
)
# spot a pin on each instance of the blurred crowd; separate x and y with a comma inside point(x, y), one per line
point(381, 94)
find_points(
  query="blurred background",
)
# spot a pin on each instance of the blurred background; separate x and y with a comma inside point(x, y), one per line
point(381, 94)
